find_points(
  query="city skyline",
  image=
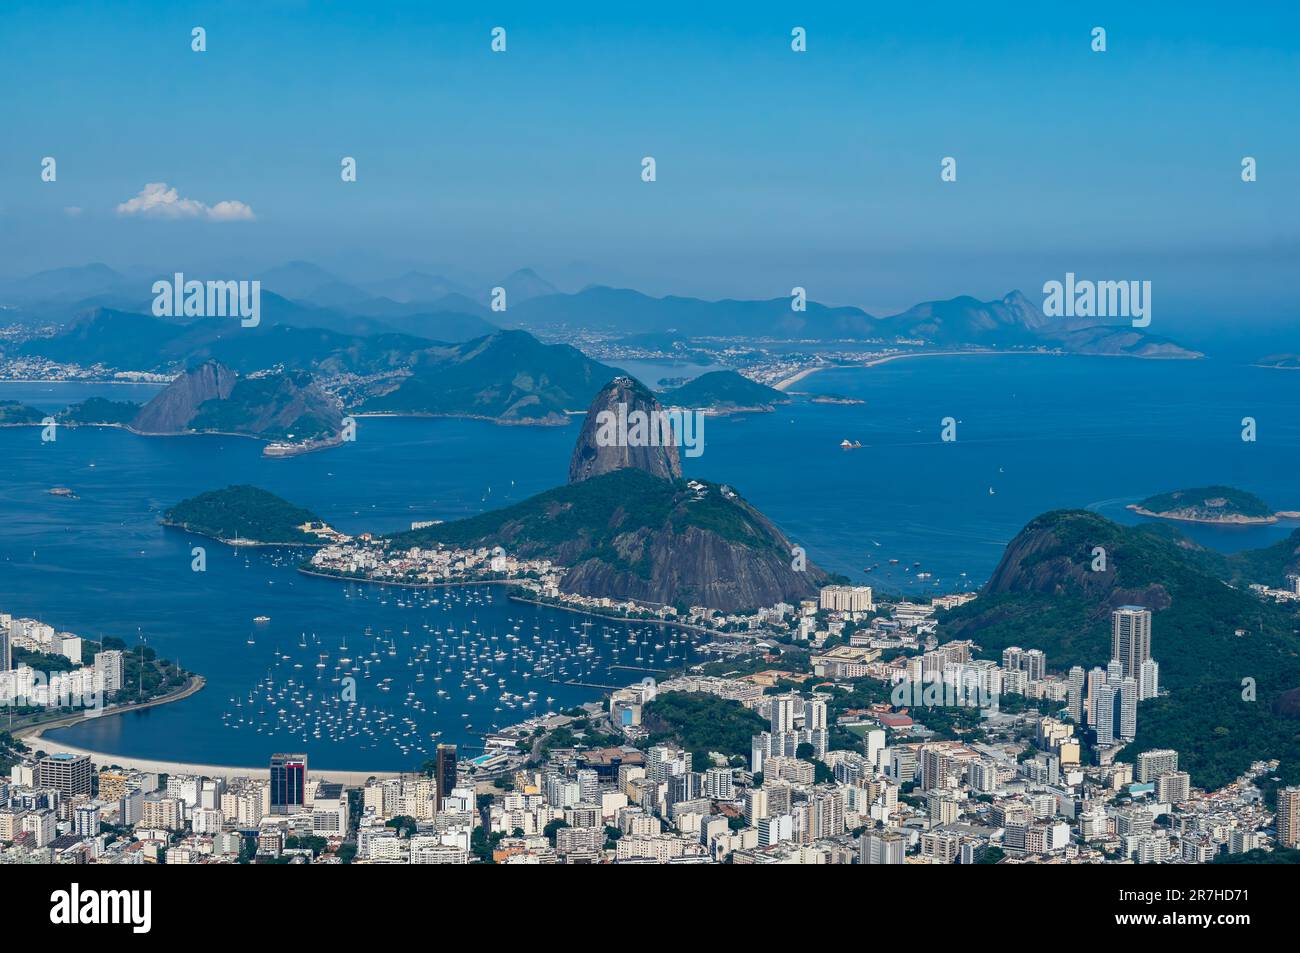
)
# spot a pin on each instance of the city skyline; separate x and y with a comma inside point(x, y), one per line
point(723, 435)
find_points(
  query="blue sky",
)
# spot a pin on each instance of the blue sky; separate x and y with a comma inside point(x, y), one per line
point(774, 168)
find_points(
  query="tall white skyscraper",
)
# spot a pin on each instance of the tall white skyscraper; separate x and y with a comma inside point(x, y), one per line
point(1130, 637)
point(874, 742)
point(1148, 679)
point(760, 747)
point(1288, 817)
point(782, 713)
point(1103, 713)
point(1096, 679)
point(1075, 696)
point(108, 670)
point(1035, 663)
point(1128, 709)
point(814, 714)
point(883, 847)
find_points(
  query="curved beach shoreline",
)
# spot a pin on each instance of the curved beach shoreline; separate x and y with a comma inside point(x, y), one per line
point(886, 358)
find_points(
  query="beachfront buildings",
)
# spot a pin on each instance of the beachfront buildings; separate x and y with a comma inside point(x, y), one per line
point(846, 599)
point(288, 783)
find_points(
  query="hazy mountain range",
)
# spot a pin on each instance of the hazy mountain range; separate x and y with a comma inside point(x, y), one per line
point(300, 294)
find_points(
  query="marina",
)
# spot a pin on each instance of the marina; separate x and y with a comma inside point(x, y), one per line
point(387, 689)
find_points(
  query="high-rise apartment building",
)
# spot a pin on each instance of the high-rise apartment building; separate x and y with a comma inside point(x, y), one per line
point(108, 670)
point(69, 774)
point(782, 717)
point(1173, 787)
point(1288, 817)
point(883, 847)
point(1148, 679)
point(1103, 713)
point(1128, 708)
point(444, 771)
point(288, 783)
point(1130, 638)
point(1075, 694)
point(1152, 764)
point(847, 599)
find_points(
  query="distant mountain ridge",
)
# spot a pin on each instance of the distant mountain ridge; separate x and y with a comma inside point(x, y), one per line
point(306, 295)
point(510, 377)
point(140, 342)
point(1012, 321)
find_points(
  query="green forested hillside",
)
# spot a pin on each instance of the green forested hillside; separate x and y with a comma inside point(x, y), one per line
point(243, 512)
point(1216, 645)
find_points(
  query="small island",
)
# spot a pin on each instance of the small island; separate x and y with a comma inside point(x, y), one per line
point(835, 399)
point(1285, 362)
point(1208, 504)
point(249, 516)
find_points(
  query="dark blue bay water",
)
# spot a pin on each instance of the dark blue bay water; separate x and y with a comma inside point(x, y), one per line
point(1040, 432)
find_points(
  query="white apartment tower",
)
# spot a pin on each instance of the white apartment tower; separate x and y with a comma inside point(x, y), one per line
point(1130, 638)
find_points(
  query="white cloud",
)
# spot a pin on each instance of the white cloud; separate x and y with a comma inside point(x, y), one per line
point(158, 200)
point(230, 211)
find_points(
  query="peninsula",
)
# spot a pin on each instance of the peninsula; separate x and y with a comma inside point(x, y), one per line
point(249, 516)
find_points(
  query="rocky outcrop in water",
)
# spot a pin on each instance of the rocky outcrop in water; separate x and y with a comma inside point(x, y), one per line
point(285, 405)
point(171, 411)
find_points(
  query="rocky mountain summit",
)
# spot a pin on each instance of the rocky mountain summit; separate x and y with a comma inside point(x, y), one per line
point(612, 414)
point(171, 410)
point(282, 406)
point(628, 526)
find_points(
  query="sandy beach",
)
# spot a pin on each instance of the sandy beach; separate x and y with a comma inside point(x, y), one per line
point(886, 358)
point(33, 736)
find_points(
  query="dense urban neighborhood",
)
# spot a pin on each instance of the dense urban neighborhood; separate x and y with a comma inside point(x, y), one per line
point(836, 731)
